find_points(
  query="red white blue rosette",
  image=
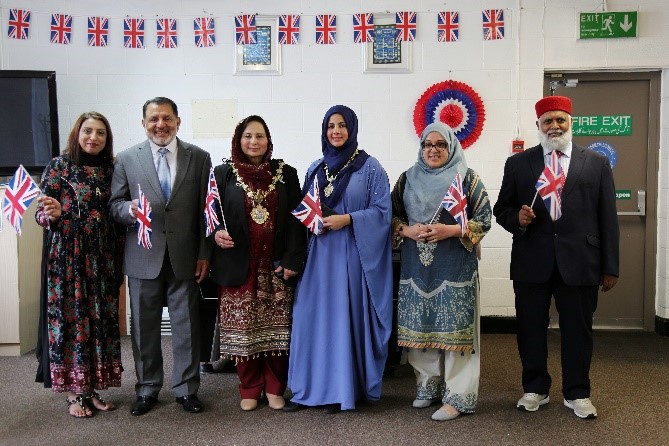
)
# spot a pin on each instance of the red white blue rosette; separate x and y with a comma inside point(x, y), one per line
point(455, 104)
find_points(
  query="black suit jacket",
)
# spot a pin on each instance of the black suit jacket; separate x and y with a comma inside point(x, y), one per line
point(229, 267)
point(583, 242)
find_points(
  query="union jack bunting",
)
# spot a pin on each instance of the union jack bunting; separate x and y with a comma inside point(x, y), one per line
point(143, 216)
point(211, 221)
point(98, 30)
point(405, 23)
point(20, 192)
point(19, 24)
point(61, 28)
point(309, 210)
point(245, 29)
point(166, 33)
point(455, 202)
point(549, 186)
point(326, 29)
point(493, 24)
point(133, 33)
point(289, 29)
point(448, 24)
point(204, 32)
point(363, 27)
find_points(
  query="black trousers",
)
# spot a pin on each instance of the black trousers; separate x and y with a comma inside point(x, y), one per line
point(576, 306)
point(208, 312)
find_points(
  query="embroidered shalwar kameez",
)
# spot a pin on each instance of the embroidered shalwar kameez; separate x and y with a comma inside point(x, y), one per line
point(438, 297)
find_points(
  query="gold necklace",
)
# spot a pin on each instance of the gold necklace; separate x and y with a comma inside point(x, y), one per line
point(331, 178)
point(259, 213)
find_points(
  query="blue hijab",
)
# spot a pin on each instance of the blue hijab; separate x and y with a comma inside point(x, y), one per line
point(426, 186)
point(335, 158)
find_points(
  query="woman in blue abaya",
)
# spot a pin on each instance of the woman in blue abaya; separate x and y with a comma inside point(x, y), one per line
point(342, 313)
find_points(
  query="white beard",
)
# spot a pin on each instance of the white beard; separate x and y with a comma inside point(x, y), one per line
point(559, 143)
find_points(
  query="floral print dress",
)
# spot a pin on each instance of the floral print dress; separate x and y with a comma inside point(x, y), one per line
point(83, 278)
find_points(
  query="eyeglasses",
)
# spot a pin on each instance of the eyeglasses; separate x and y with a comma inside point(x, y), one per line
point(440, 145)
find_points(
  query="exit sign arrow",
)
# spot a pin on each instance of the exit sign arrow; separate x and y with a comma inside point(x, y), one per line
point(626, 25)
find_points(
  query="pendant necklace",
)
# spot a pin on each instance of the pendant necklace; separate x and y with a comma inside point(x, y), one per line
point(331, 178)
point(259, 214)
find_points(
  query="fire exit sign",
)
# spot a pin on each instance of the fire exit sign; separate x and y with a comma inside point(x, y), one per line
point(608, 24)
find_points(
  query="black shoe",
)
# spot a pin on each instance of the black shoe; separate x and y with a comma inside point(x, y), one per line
point(143, 404)
point(293, 407)
point(206, 369)
point(190, 403)
point(332, 408)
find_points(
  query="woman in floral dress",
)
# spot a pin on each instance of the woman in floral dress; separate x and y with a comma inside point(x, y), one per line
point(83, 268)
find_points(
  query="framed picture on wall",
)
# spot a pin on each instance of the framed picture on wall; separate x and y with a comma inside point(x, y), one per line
point(264, 56)
point(385, 54)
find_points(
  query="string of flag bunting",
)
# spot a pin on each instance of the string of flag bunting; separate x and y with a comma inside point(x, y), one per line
point(204, 29)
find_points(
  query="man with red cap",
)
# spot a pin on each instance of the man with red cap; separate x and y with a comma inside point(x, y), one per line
point(567, 255)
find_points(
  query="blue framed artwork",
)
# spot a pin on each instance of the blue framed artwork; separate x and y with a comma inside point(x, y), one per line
point(264, 56)
point(385, 54)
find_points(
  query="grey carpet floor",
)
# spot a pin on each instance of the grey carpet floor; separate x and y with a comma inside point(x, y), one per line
point(630, 376)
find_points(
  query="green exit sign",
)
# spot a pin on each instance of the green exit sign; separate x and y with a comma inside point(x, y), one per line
point(608, 24)
point(624, 194)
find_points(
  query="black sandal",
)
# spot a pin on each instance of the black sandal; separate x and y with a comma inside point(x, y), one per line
point(82, 403)
point(97, 396)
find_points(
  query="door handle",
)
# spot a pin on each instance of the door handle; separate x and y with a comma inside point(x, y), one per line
point(641, 205)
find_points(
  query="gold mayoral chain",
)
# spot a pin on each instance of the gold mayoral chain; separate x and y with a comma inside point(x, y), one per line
point(259, 213)
point(331, 178)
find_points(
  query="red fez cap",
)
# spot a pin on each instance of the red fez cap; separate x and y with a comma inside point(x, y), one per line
point(550, 103)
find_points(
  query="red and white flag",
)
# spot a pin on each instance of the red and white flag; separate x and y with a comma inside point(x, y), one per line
point(20, 192)
point(455, 202)
point(309, 210)
point(211, 221)
point(143, 216)
point(493, 24)
point(18, 26)
point(549, 186)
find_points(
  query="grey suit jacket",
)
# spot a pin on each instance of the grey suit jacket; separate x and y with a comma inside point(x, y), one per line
point(178, 225)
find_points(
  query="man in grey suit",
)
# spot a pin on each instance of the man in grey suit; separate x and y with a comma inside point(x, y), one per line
point(568, 257)
point(173, 176)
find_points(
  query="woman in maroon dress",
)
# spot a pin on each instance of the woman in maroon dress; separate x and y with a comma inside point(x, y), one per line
point(260, 249)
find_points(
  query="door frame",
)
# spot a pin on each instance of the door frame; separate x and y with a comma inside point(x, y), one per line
point(652, 172)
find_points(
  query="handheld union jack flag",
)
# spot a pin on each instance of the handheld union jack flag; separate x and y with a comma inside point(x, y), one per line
point(363, 27)
point(405, 23)
point(289, 29)
point(61, 28)
point(245, 29)
point(19, 24)
point(448, 24)
point(143, 216)
point(309, 210)
point(98, 30)
point(549, 186)
point(455, 202)
point(133, 33)
point(204, 32)
point(493, 24)
point(326, 29)
point(211, 221)
point(20, 192)
point(166, 33)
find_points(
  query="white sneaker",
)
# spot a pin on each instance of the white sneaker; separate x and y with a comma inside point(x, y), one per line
point(530, 402)
point(422, 404)
point(583, 407)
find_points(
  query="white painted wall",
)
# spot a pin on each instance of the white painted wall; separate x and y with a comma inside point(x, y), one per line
point(507, 74)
